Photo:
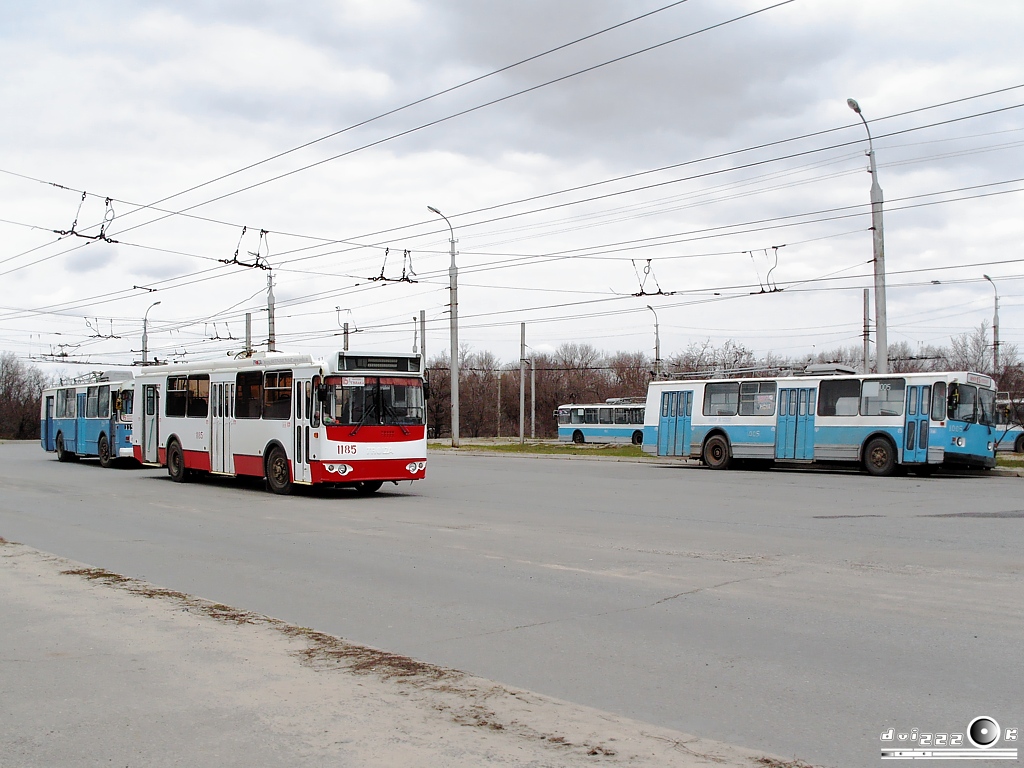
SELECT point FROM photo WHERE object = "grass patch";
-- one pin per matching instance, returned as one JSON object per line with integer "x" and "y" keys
{"x": 551, "y": 449}
{"x": 1013, "y": 462}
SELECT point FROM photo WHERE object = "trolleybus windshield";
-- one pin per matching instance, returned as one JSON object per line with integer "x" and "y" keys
{"x": 372, "y": 400}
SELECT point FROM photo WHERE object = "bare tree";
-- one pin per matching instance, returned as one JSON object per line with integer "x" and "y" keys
{"x": 21, "y": 387}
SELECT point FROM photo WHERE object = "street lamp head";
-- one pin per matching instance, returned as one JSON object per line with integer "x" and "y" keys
{"x": 852, "y": 104}
{"x": 987, "y": 278}
{"x": 432, "y": 209}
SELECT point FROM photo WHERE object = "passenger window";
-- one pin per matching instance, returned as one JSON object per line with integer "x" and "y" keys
{"x": 882, "y": 397}
{"x": 721, "y": 399}
{"x": 838, "y": 397}
{"x": 939, "y": 401}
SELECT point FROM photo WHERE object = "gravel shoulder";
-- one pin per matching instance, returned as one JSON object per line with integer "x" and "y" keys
{"x": 99, "y": 669}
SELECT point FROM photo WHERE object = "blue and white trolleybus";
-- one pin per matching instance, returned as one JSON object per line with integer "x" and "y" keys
{"x": 918, "y": 421}
{"x": 617, "y": 420}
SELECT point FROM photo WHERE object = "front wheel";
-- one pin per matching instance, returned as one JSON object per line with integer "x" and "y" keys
{"x": 368, "y": 487}
{"x": 638, "y": 438}
{"x": 716, "y": 452}
{"x": 176, "y": 463}
{"x": 104, "y": 451}
{"x": 279, "y": 474}
{"x": 1018, "y": 447}
{"x": 879, "y": 457}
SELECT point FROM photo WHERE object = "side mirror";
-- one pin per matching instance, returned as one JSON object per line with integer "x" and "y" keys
{"x": 426, "y": 389}
{"x": 323, "y": 394}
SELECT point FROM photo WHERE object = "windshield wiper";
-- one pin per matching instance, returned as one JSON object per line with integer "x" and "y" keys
{"x": 390, "y": 411}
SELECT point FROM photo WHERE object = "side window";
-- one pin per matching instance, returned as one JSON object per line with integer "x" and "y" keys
{"x": 103, "y": 404}
{"x": 605, "y": 415}
{"x": 150, "y": 401}
{"x": 249, "y": 395}
{"x": 314, "y": 419}
{"x": 277, "y": 395}
{"x": 577, "y": 416}
{"x": 309, "y": 400}
{"x": 62, "y": 403}
{"x": 721, "y": 399}
{"x": 939, "y": 401}
{"x": 177, "y": 395}
{"x": 620, "y": 416}
{"x": 91, "y": 402}
{"x": 198, "y": 396}
{"x": 590, "y": 415}
{"x": 838, "y": 397}
{"x": 882, "y": 397}
{"x": 757, "y": 398}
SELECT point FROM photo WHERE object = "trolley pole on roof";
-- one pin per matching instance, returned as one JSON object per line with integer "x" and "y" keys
{"x": 878, "y": 249}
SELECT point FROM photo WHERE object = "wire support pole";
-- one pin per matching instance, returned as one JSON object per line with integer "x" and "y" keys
{"x": 878, "y": 249}
{"x": 453, "y": 284}
{"x": 995, "y": 329}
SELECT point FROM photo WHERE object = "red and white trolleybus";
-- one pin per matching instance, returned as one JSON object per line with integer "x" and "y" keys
{"x": 352, "y": 419}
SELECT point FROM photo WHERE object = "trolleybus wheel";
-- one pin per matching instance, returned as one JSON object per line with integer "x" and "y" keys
{"x": 63, "y": 454}
{"x": 176, "y": 462}
{"x": 716, "y": 452}
{"x": 104, "y": 451}
{"x": 638, "y": 438}
{"x": 1018, "y": 447}
{"x": 279, "y": 478}
{"x": 577, "y": 437}
{"x": 368, "y": 487}
{"x": 879, "y": 457}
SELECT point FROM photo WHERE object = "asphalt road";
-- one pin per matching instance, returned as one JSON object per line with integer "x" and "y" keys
{"x": 802, "y": 613}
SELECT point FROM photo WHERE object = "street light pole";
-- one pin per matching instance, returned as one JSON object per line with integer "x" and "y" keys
{"x": 145, "y": 334}
{"x": 453, "y": 284}
{"x": 878, "y": 242}
{"x": 657, "y": 345}
{"x": 995, "y": 329}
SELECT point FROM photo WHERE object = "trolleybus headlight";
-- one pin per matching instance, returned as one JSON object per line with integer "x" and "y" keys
{"x": 415, "y": 466}
{"x": 990, "y": 445}
{"x": 961, "y": 442}
{"x": 341, "y": 469}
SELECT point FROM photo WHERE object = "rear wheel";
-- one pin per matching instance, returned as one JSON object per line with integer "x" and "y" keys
{"x": 104, "y": 451}
{"x": 176, "y": 463}
{"x": 368, "y": 487}
{"x": 63, "y": 454}
{"x": 638, "y": 437}
{"x": 1018, "y": 447}
{"x": 716, "y": 452}
{"x": 879, "y": 457}
{"x": 577, "y": 437}
{"x": 279, "y": 475}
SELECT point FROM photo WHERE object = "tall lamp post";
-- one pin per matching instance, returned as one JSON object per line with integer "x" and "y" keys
{"x": 657, "y": 345}
{"x": 878, "y": 241}
{"x": 453, "y": 283}
{"x": 145, "y": 334}
{"x": 995, "y": 329}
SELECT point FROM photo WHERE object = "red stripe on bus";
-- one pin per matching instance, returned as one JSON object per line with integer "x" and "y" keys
{"x": 248, "y": 465}
{"x": 197, "y": 460}
{"x": 366, "y": 469}
{"x": 375, "y": 434}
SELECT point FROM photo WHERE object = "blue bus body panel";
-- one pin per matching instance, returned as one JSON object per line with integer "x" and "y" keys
{"x": 599, "y": 433}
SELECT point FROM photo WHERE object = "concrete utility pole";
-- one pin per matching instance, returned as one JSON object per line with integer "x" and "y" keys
{"x": 657, "y": 345}
{"x": 272, "y": 338}
{"x": 248, "y": 334}
{"x": 522, "y": 383}
{"x": 867, "y": 332}
{"x": 878, "y": 244}
{"x": 533, "y": 399}
{"x": 453, "y": 285}
{"x": 145, "y": 334}
{"x": 995, "y": 330}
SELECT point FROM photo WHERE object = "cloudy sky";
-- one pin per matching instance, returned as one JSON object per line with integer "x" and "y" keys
{"x": 582, "y": 155}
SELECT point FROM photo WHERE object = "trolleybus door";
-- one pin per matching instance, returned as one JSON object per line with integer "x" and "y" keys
{"x": 674, "y": 423}
{"x": 48, "y": 429}
{"x": 915, "y": 441}
{"x": 220, "y": 430}
{"x": 303, "y": 409}
{"x": 150, "y": 437}
{"x": 794, "y": 431}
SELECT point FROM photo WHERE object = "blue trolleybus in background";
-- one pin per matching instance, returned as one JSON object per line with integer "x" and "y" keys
{"x": 91, "y": 418}
{"x": 617, "y": 420}
{"x": 916, "y": 421}
{"x": 1010, "y": 427}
